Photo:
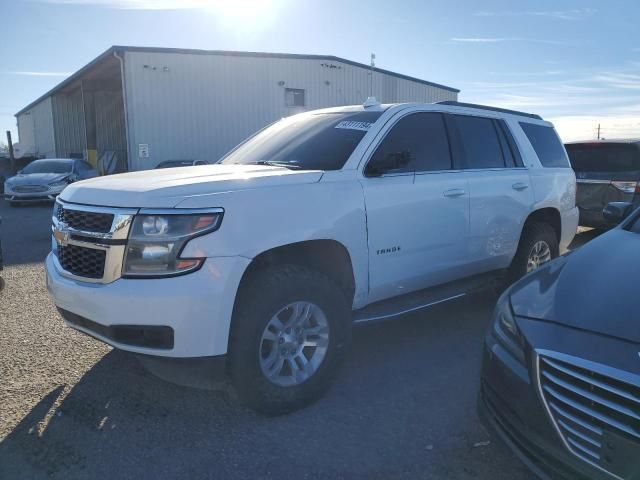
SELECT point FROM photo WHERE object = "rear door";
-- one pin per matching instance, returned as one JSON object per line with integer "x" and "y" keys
{"x": 499, "y": 188}
{"x": 605, "y": 172}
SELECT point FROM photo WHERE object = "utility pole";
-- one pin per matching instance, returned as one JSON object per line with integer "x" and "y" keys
{"x": 598, "y": 132}
{"x": 12, "y": 157}
{"x": 373, "y": 64}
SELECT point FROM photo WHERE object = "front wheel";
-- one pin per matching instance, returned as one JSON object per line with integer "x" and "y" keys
{"x": 538, "y": 245}
{"x": 290, "y": 332}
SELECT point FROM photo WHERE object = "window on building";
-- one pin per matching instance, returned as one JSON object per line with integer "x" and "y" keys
{"x": 423, "y": 137}
{"x": 546, "y": 143}
{"x": 479, "y": 141}
{"x": 294, "y": 97}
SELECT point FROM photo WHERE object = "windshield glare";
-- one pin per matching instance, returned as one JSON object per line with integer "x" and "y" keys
{"x": 48, "y": 166}
{"x": 319, "y": 141}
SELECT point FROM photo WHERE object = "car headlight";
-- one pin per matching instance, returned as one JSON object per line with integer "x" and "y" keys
{"x": 60, "y": 183}
{"x": 157, "y": 240}
{"x": 506, "y": 328}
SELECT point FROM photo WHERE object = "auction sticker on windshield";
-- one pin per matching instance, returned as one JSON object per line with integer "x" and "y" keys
{"x": 350, "y": 125}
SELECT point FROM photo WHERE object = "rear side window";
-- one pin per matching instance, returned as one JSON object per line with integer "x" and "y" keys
{"x": 604, "y": 157}
{"x": 546, "y": 144}
{"x": 478, "y": 137}
{"x": 424, "y": 137}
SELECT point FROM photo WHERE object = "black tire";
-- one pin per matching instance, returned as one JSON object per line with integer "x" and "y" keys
{"x": 532, "y": 233}
{"x": 262, "y": 295}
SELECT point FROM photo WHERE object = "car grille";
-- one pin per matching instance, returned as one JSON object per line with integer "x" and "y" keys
{"x": 586, "y": 404}
{"x": 81, "y": 261}
{"x": 30, "y": 188}
{"x": 85, "y": 221}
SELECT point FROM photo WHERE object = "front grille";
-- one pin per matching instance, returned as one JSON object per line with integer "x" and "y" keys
{"x": 585, "y": 405}
{"x": 30, "y": 188}
{"x": 81, "y": 261}
{"x": 85, "y": 221}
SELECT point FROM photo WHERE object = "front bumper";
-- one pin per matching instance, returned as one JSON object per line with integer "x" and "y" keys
{"x": 509, "y": 405}
{"x": 197, "y": 307}
{"x": 14, "y": 196}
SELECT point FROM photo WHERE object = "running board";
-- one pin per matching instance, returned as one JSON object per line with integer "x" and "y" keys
{"x": 426, "y": 298}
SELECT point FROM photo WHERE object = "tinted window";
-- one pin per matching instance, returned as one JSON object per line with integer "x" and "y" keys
{"x": 319, "y": 141}
{"x": 546, "y": 143}
{"x": 604, "y": 157}
{"x": 424, "y": 137}
{"x": 479, "y": 141}
{"x": 49, "y": 166}
{"x": 513, "y": 154}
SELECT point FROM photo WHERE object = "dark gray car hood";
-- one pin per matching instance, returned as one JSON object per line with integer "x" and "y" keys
{"x": 37, "y": 178}
{"x": 595, "y": 288}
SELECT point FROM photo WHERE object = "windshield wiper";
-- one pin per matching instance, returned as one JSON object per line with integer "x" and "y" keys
{"x": 270, "y": 163}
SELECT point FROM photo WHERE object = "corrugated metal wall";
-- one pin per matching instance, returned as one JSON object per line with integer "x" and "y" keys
{"x": 200, "y": 106}
{"x": 68, "y": 118}
{"x": 110, "y": 126}
{"x": 35, "y": 130}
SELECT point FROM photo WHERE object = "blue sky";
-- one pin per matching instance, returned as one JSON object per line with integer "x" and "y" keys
{"x": 575, "y": 63}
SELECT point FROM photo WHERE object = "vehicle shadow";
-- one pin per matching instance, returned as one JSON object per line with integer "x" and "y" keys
{"x": 404, "y": 406}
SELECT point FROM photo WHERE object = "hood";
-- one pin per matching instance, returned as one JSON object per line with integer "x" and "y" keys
{"x": 36, "y": 178}
{"x": 593, "y": 288}
{"x": 165, "y": 188}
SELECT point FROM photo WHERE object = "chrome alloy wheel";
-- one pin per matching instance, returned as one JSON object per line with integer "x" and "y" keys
{"x": 294, "y": 344}
{"x": 540, "y": 253}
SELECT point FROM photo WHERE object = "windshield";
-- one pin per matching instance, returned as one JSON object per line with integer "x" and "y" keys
{"x": 49, "y": 166}
{"x": 604, "y": 157}
{"x": 321, "y": 141}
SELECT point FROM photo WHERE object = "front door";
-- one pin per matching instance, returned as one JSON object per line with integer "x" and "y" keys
{"x": 418, "y": 213}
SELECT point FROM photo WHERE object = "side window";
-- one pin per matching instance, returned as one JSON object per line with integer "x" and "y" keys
{"x": 509, "y": 161}
{"x": 513, "y": 147}
{"x": 419, "y": 142}
{"x": 479, "y": 141}
{"x": 546, "y": 143}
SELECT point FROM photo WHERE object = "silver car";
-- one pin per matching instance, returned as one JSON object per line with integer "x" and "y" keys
{"x": 45, "y": 179}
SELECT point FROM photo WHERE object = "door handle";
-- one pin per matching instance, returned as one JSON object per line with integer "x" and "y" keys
{"x": 454, "y": 192}
{"x": 520, "y": 186}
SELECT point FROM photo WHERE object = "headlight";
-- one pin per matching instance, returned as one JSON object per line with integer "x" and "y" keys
{"x": 157, "y": 240}
{"x": 60, "y": 183}
{"x": 506, "y": 328}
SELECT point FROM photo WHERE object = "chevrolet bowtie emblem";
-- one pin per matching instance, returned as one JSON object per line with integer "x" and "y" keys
{"x": 61, "y": 234}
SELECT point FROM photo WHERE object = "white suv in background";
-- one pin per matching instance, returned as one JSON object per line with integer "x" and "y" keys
{"x": 352, "y": 214}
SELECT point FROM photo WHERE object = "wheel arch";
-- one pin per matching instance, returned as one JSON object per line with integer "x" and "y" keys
{"x": 548, "y": 215}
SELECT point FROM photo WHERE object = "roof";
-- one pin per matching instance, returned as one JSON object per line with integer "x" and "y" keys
{"x": 122, "y": 48}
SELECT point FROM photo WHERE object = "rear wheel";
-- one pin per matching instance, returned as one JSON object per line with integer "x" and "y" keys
{"x": 291, "y": 330}
{"x": 538, "y": 245}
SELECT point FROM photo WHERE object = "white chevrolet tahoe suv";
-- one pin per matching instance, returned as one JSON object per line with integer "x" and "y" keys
{"x": 321, "y": 220}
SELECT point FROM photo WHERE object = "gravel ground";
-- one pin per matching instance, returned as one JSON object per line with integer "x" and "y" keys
{"x": 71, "y": 407}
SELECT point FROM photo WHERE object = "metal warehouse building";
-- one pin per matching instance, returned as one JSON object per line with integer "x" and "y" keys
{"x": 133, "y": 107}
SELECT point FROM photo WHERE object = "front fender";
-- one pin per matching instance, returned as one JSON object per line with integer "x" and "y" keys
{"x": 262, "y": 219}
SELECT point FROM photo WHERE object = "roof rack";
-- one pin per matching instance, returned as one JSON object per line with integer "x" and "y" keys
{"x": 493, "y": 109}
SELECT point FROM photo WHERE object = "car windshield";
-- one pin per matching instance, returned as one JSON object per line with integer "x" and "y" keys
{"x": 49, "y": 166}
{"x": 604, "y": 157}
{"x": 320, "y": 141}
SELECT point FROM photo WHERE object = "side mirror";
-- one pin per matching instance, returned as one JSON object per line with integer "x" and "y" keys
{"x": 389, "y": 162}
{"x": 616, "y": 212}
